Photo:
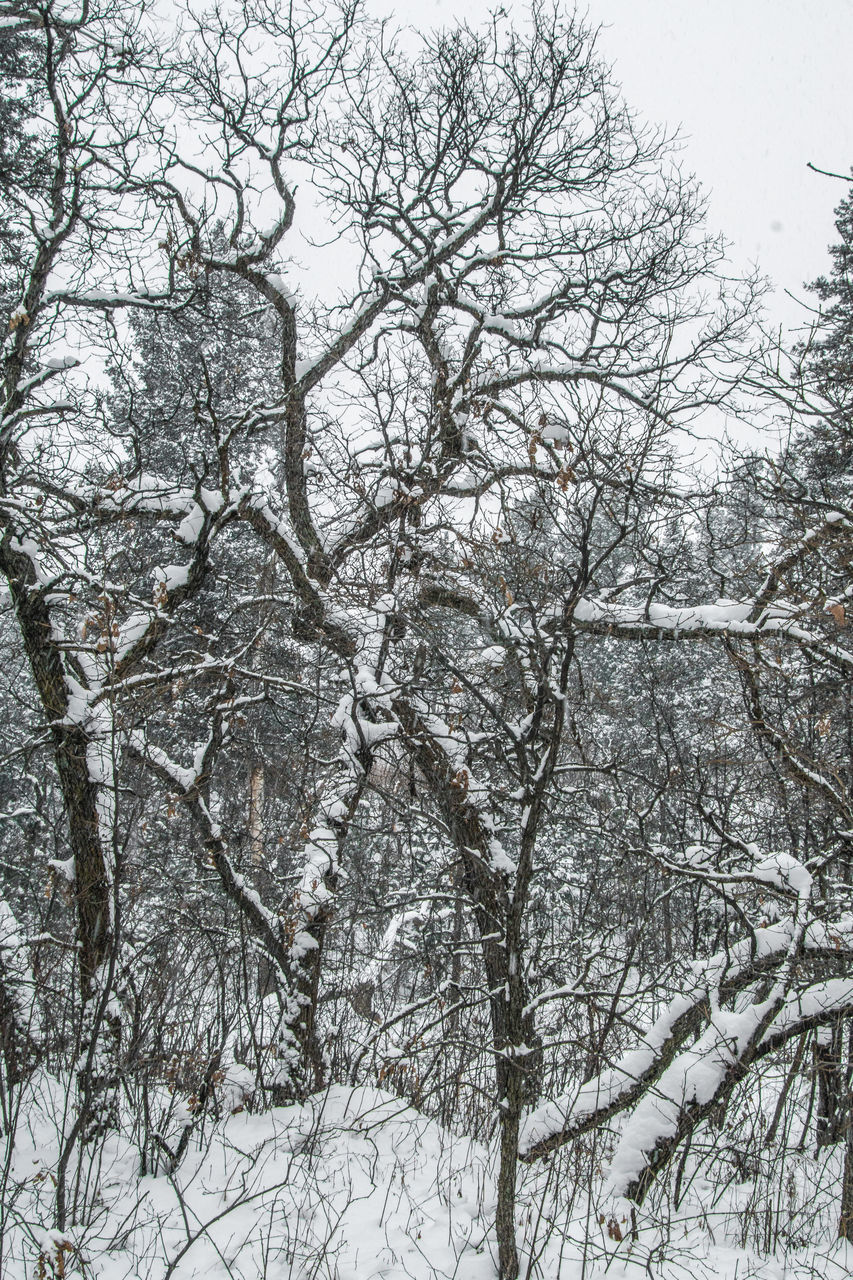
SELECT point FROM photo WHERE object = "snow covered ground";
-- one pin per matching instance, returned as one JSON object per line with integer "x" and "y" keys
{"x": 356, "y": 1185}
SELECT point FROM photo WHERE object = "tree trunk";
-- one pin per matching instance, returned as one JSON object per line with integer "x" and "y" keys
{"x": 510, "y": 1119}
{"x": 498, "y": 913}
{"x": 91, "y": 879}
{"x": 845, "y": 1225}
{"x": 830, "y": 1084}
{"x": 256, "y": 814}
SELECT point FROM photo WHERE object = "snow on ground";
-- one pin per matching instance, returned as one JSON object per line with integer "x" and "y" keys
{"x": 352, "y": 1185}
{"x": 355, "y": 1185}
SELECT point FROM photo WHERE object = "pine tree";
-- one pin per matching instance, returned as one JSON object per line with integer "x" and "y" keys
{"x": 826, "y": 447}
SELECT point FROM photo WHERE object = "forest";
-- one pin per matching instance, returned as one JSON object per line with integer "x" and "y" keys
{"x": 426, "y": 814}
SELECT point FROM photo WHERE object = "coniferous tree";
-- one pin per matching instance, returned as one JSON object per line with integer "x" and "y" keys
{"x": 826, "y": 445}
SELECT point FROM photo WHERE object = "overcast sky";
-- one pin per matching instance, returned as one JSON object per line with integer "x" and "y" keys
{"x": 758, "y": 88}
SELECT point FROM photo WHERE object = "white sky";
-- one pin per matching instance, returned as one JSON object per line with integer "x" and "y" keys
{"x": 758, "y": 89}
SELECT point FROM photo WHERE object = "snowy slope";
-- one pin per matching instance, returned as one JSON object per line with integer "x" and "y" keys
{"x": 355, "y": 1185}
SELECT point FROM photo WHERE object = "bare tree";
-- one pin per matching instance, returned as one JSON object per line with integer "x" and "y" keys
{"x": 463, "y": 461}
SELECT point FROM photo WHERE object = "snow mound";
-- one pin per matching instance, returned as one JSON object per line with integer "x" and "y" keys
{"x": 353, "y": 1185}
